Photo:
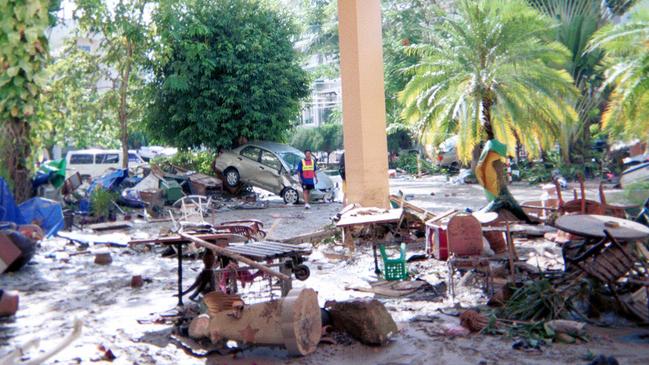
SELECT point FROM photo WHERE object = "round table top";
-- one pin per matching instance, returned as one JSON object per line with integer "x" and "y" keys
{"x": 486, "y": 218}
{"x": 593, "y": 226}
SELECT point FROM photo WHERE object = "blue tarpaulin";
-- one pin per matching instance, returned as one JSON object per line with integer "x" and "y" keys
{"x": 109, "y": 181}
{"x": 46, "y": 213}
{"x": 9, "y": 211}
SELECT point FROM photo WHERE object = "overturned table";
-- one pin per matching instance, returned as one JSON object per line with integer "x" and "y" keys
{"x": 598, "y": 229}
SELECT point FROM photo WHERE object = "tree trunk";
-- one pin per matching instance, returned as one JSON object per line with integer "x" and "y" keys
{"x": 123, "y": 112}
{"x": 486, "y": 117}
{"x": 17, "y": 153}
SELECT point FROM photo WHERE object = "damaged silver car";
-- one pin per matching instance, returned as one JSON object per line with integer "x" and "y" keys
{"x": 273, "y": 167}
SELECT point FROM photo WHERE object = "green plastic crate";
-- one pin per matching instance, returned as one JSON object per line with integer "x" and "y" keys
{"x": 394, "y": 269}
{"x": 172, "y": 190}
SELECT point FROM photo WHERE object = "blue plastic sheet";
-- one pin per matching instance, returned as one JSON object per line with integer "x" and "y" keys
{"x": 8, "y": 209}
{"x": 46, "y": 213}
{"x": 109, "y": 181}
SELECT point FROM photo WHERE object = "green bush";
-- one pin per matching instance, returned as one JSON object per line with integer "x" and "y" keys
{"x": 199, "y": 161}
{"x": 637, "y": 193}
{"x": 541, "y": 172}
{"x": 101, "y": 202}
{"x": 408, "y": 163}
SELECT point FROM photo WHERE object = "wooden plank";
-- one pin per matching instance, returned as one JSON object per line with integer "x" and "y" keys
{"x": 172, "y": 240}
{"x": 108, "y": 226}
{"x": 356, "y": 218}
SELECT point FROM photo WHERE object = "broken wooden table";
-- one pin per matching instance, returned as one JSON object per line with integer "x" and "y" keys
{"x": 370, "y": 217}
{"x": 290, "y": 255}
{"x": 592, "y": 228}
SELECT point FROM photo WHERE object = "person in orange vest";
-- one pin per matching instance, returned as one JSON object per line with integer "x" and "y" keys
{"x": 308, "y": 177}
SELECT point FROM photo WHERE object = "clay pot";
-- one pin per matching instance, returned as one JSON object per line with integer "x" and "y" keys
{"x": 8, "y": 303}
{"x": 137, "y": 281}
{"x": 103, "y": 258}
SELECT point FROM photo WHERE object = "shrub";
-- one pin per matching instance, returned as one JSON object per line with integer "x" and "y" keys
{"x": 637, "y": 193}
{"x": 199, "y": 161}
{"x": 101, "y": 202}
{"x": 408, "y": 163}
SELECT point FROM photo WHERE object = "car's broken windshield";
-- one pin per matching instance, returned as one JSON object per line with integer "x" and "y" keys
{"x": 292, "y": 159}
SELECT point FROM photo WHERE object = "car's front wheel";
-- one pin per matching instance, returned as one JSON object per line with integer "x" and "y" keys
{"x": 290, "y": 196}
{"x": 232, "y": 177}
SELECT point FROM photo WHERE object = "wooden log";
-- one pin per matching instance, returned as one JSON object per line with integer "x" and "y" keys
{"x": 225, "y": 252}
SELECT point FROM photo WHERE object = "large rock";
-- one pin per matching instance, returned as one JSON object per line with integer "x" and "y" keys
{"x": 366, "y": 320}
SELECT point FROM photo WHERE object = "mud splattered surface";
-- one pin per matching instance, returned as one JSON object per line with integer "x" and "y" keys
{"x": 63, "y": 283}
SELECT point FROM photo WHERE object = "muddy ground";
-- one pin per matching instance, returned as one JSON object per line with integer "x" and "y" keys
{"x": 63, "y": 283}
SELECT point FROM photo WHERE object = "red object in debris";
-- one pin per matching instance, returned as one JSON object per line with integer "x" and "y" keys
{"x": 8, "y": 303}
{"x": 9, "y": 252}
{"x": 465, "y": 235}
{"x": 137, "y": 281}
{"x": 436, "y": 241}
{"x": 465, "y": 232}
{"x": 440, "y": 158}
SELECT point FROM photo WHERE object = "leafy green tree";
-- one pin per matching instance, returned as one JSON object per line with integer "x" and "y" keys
{"x": 305, "y": 138}
{"x": 330, "y": 138}
{"x": 226, "y": 70}
{"x": 487, "y": 73}
{"x": 627, "y": 58}
{"x": 23, "y": 55}
{"x": 74, "y": 112}
{"x": 125, "y": 37}
{"x": 404, "y": 23}
{"x": 576, "y": 23}
{"x": 324, "y": 138}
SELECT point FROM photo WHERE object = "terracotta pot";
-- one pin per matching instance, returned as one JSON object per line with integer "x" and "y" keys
{"x": 103, "y": 258}
{"x": 8, "y": 303}
{"x": 137, "y": 281}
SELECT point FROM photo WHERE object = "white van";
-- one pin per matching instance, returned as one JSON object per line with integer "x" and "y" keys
{"x": 94, "y": 162}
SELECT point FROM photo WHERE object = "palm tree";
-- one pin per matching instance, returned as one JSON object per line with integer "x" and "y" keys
{"x": 577, "y": 21}
{"x": 488, "y": 73}
{"x": 627, "y": 58}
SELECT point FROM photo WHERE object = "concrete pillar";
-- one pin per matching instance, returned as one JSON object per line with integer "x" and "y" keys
{"x": 361, "y": 70}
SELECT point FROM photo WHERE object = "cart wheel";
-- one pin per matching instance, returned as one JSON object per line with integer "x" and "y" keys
{"x": 301, "y": 272}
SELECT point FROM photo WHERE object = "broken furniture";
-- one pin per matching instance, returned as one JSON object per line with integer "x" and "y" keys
{"x": 293, "y": 321}
{"x": 618, "y": 211}
{"x": 592, "y": 228}
{"x": 464, "y": 233}
{"x": 289, "y": 259}
{"x": 609, "y": 261}
{"x": 437, "y": 235}
{"x": 369, "y": 219}
{"x": 395, "y": 268}
{"x": 577, "y": 205}
{"x": 177, "y": 241}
